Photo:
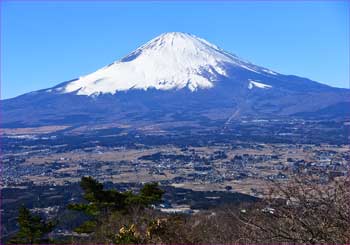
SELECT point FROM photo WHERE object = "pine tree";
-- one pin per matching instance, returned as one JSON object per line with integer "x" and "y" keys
{"x": 99, "y": 202}
{"x": 32, "y": 228}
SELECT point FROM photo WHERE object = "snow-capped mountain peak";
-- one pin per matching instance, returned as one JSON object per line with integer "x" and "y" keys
{"x": 158, "y": 77}
{"x": 172, "y": 60}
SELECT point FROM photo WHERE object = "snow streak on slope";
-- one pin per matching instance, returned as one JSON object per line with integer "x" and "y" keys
{"x": 253, "y": 84}
{"x": 170, "y": 61}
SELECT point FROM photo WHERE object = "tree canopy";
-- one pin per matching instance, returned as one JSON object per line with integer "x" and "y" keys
{"x": 32, "y": 228}
{"x": 99, "y": 201}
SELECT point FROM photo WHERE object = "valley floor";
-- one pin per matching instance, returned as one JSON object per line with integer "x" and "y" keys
{"x": 201, "y": 168}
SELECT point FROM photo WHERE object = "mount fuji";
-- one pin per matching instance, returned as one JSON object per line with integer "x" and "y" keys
{"x": 170, "y": 61}
{"x": 177, "y": 77}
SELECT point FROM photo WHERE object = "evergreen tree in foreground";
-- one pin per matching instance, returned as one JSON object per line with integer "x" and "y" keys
{"x": 100, "y": 202}
{"x": 32, "y": 228}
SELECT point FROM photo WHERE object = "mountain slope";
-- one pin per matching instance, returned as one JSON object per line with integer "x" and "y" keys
{"x": 177, "y": 77}
{"x": 170, "y": 61}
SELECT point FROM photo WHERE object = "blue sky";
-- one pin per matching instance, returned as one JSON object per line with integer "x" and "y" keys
{"x": 45, "y": 42}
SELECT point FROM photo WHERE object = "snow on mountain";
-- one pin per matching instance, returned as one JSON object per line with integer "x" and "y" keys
{"x": 253, "y": 84}
{"x": 161, "y": 75}
{"x": 170, "y": 61}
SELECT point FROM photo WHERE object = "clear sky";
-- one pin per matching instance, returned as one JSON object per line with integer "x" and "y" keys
{"x": 44, "y": 43}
